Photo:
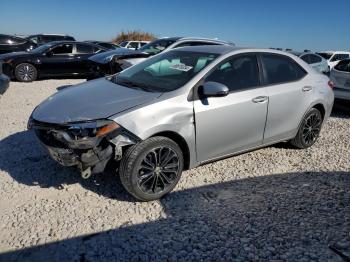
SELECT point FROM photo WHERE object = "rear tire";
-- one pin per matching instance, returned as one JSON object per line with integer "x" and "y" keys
{"x": 152, "y": 168}
{"x": 309, "y": 129}
{"x": 26, "y": 72}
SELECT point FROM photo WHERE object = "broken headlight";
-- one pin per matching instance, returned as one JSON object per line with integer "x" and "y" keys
{"x": 85, "y": 135}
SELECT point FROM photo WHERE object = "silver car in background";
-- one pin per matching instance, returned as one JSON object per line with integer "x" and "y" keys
{"x": 316, "y": 61}
{"x": 340, "y": 75}
{"x": 181, "y": 109}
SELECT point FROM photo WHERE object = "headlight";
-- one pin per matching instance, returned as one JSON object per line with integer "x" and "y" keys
{"x": 85, "y": 135}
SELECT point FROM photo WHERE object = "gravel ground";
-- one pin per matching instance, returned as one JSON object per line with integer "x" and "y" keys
{"x": 274, "y": 204}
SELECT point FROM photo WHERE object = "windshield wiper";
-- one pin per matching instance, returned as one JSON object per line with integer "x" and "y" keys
{"x": 131, "y": 84}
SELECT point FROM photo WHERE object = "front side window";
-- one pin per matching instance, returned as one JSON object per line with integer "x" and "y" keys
{"x": 238, "y": 73}
{"x": 343, "y": 66}
{"x": 62, "y": 49}
{"x": 84, "y": 49}
{"x": 281, "y": 69}
{"x": 166, "y": 72}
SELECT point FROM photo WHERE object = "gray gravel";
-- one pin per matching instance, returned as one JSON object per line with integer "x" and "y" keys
{"x": 274, "y": 204}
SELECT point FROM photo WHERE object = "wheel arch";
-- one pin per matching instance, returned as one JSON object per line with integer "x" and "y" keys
{"x": 178, "y": 139}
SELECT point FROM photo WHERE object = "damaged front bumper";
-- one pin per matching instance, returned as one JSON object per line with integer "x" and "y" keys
{"x": 90, "y": 158}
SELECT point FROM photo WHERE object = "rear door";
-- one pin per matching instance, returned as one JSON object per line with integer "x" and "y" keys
{"x": 225, "y": 125}
{"x": 290, "y": 94}
{"x": 81, "y": 54}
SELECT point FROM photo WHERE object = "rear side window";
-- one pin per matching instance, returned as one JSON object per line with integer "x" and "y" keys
{"x": 315, "y": 59}
{"x": 238, "y": 73}
{"x": 84, "y": 49}
{"x": 343, "y": 66}
{"x": 281, "y": 69}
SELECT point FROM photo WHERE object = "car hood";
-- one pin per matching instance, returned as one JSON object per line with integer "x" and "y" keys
{"x": 14, "y": 55}
{"x": 121, "y": 53}
{"x": 97, "y": 99}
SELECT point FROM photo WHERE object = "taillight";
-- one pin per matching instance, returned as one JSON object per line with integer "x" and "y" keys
{"x": 331, "y": 84}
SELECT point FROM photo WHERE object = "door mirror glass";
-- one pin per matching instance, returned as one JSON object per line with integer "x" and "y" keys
{"x": 213, "y": 89}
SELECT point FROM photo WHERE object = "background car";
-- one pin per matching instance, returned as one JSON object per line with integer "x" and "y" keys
{"x": 55, "y": 59}
{"x": 316, "y": 61}
{"x": 134, "y": 45}
{"x": 241, "y": 99}
{"x": 4, "y": 83}
{"x": 115, "y": 61}
{"x": 333, "y": 57}
{"x": 9, "y": 43}
{"x": 107, "y": 45}
{"x": 340, "y": 75}
{"x": 41, "y": 39}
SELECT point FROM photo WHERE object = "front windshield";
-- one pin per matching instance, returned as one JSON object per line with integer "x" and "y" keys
{"x": 157, "y": 46}
{"x": 326, "y": 56}
{"x": 166, "y": 72}
{"x": 41, "y": 49}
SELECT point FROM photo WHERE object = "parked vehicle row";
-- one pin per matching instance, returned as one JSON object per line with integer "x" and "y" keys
{"x": 117, "y": 60}
{"x": 241, "y": 99}
{"x": 55, "y": 59}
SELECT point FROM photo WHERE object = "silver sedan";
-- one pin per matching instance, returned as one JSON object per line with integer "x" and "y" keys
{"x": 181, "y": 109}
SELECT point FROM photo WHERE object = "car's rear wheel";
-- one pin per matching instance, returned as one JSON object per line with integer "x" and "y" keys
{"x": 152, "y": 168}
{"x": 26, "y": 72}
{"x": 309, "y": 129}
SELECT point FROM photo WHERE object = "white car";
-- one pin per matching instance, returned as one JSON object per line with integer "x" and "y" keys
{"x": 316, "y": 61}
{"x": 340, "y": 76}
{"x": 333, "y": 57}
{"x": 134, "y": 45}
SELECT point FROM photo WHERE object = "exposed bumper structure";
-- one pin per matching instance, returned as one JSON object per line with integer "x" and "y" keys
{"x": 91, "y": 160}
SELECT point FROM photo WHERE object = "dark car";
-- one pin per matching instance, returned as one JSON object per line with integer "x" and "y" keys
{"x": 117, "y": 60}
{"x": 107, "y": 45}
{"x": 55, "y": 59}
{"x": 9, "y": 43}
{"x": 4, "y": 83}
{"x": 41, "y": 39}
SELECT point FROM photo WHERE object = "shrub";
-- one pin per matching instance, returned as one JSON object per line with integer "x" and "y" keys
{"x": 135, "y": 35}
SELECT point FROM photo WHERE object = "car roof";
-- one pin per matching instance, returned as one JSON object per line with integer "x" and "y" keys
{"x": 225, "y": 49}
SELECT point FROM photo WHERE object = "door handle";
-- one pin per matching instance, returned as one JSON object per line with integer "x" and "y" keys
{"x": 260, "y": 99}
{"x": 307, "y": 88}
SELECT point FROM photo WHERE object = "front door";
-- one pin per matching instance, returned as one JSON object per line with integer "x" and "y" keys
{"x": 58, "y": 61}
{"x": 225, "y": 125}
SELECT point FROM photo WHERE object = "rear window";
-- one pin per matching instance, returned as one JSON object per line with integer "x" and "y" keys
{"x": 11, "y": 40}
{"x": 281, "y": 69}
{"x": 343, "y": 66}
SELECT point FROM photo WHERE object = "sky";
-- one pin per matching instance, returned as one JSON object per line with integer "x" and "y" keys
{"x": 297, "y": 24}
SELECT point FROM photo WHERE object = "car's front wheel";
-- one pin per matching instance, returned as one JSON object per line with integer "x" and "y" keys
{"x": 26, "y": 72}
{"x": 309, "y": 129}
{"x": 152, "y": 168}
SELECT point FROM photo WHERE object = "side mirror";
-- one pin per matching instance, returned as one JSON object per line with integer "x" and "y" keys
{"x": 49, "y": 53}
{"x": 213, "y": 89}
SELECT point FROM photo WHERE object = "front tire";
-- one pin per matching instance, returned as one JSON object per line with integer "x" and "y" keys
{"x": 309, "y": 129}
{"x": 152, "y": 168}
{"x": 26, "y": 72}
